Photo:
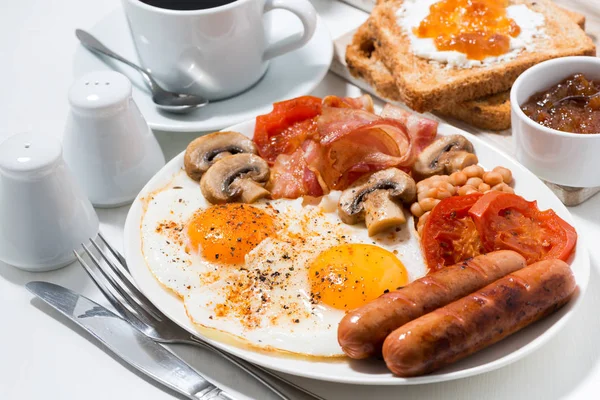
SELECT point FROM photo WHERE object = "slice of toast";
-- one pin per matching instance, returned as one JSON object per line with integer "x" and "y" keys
{"x": 364, "y": 62}
{"x": 490, "y": 112}
{"x": 425, "y": 86}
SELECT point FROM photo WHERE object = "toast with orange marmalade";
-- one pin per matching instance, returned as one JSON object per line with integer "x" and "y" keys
{"x": 489, "y": 112}
{"x": 432, "y": 69}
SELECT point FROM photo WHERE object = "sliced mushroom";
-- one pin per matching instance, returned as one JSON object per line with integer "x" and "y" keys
{"x": 377, "y": 200}
{"x": 238, "y": 177}
{"x": 446, "y": 155}
{"x": 206, "y": 150}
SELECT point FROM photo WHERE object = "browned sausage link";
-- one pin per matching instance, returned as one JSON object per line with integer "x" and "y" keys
{"x": 362, "y": 331}
{"x": 478, "y": 320}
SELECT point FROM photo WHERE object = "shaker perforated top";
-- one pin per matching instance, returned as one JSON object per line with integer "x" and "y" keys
{"x": 29, "y": 153}
{"x": 99, "y": 90}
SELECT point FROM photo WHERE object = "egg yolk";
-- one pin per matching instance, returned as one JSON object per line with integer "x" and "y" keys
{"x": 226, "y": 233}
{"x": 348, "y": 276}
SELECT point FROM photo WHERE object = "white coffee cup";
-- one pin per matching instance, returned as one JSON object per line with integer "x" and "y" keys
{"x": 216, "y": 52}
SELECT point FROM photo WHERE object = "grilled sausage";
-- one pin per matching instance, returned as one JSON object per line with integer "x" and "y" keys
{"x": 362, "y": 331}
{"x": 478, "y": 320}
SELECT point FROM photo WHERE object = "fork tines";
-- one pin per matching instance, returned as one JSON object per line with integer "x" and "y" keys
{"x": 118, "y": 285}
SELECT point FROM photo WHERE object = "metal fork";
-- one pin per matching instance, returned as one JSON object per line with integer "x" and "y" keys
{"x": 119, "y": 288}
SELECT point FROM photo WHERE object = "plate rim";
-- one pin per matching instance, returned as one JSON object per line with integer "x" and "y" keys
{"x": 383, "y": 380}
{"x": 196, "y": 125}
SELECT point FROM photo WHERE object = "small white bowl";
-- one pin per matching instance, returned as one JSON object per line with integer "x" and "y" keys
{"x": 568, "y": 159}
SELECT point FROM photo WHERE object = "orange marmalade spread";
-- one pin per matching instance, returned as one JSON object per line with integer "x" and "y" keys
{"x": 477, "y": 28}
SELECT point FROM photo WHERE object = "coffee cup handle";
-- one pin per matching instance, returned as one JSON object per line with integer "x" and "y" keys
{"x": 307, "y": 14}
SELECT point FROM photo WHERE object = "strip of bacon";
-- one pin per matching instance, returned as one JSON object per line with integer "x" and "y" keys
{"x": 344, "y": 142}
{"x": 334, "y": 123}
{"x": 422, "y": 130}
{"x": 369, "y": 147}
{"x": 291, "y": 176}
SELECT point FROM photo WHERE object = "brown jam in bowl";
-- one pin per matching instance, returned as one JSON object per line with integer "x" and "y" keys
{"x": 550, "y": 108}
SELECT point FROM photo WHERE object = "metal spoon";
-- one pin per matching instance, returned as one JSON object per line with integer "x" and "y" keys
{"x": 578, "y": 98}
{"x": 178, "y": 103}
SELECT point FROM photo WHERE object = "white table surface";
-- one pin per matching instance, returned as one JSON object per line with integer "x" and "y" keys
{"x": 45, "y": 356}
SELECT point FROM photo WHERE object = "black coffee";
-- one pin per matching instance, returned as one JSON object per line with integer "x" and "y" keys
{"x": 187, "y": 4}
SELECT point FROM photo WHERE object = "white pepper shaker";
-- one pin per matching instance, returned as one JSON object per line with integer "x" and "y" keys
{"x": 44, "y": 214}
{"x": 107, "y": 143}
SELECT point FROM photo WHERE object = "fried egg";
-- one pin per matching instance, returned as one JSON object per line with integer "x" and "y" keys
{"x": 278, "y": 274}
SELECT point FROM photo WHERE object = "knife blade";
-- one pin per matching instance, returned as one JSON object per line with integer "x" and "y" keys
{"x": 128, "y": 343}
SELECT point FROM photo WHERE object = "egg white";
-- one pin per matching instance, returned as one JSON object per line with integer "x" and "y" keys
{"x": 267, "y": 301}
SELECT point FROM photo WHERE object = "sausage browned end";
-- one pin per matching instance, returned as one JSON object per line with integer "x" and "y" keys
{"x": 362, "y": 331}
{"x": 478, "y": 320}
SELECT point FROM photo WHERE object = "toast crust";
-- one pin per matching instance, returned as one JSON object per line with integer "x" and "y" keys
{"x": 364, "y": 63}
{"x": 576, "y": 17}
{"x": 426, "y": 86}
{"x": 490, "y": 112}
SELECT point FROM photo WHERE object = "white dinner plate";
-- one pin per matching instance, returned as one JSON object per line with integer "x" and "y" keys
{"x": 294, "y": 74}
{"x": 374, "y": 372}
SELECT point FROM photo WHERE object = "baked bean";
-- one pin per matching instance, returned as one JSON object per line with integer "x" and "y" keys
{"x": 441, "y": 178}
{"x": 458, "y": 178}
{"x": 474, "y": 181}
{"x": 436, "y": 180}
{"x": 498, "y": 187}
{"x": 443, "y": 194}
{"x": 428, "y": 204}
{"x": 424, "y": 185}
{"x": 416, "y": 210}
{"x": 448, "y": 187}
{"x": 467, "y": 189}
{"x": 506, "y": 174}
{"x": 483, "y": 187}
{"x": 473, "y": 171}
{"x": 432, "y": 180}
{"x": 431, "y": 193}
{"x": 493, "y": 178}
{"x": 421, "y": 222}
{"x": 421, "y": 193}
{"x": 503, "y": 187}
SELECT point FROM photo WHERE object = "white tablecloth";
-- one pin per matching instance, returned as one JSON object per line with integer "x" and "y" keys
{"x": 45, "y": 356}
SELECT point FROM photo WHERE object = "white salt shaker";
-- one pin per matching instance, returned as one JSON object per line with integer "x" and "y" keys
{"x": 44, "y": 214}
{"x": 107, "y": 143}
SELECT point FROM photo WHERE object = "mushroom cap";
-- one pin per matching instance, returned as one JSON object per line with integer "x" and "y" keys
{"x": 437, "y": 158}
{"x": 400, "y": 187}
{"x": 227, "y": 179}
{"x": 204, "y": 151}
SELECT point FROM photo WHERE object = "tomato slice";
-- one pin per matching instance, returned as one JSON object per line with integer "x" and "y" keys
{"x": 449, "y": 235}
{"x": 285, "y": 128}
{"x": 509, "y": 222}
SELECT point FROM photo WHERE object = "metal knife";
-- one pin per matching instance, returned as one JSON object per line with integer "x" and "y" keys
{"x": 127, "y": 342}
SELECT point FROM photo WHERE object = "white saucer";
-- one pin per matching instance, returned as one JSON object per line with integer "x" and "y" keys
{"x": 291, "y": 75}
